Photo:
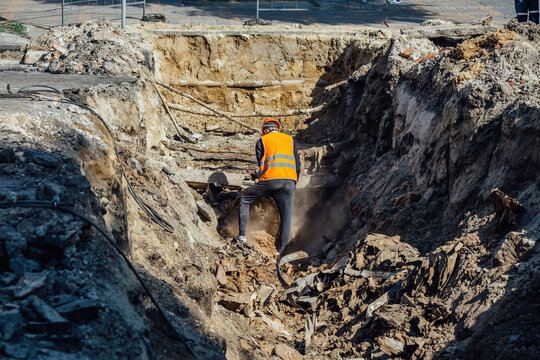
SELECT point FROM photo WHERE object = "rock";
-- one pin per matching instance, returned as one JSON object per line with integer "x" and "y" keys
{"x": 10, "y": 323}
{"x": 79, "y": 310}
{"x": 42, "y": 158}
{"x": 29, "y": 283}
{"x": 235, "y": 302}
{"x": 21, "y": 265}
{"x": 380, "y": 241}
{"x": 506, "y": 89}
{"x": 507, "y": 210}
{"x": 167, "y": 171}
{"x": 134, "y": 164}
{"x": 514, "y": 248}
{"x": 7, "y": 155}
{"x": 31, "y": 57}
{"x": 59, "y": 46}
{"x": 45, "y": 311}
{"x": 207, "y": 211}
{"x": 263, "y": 293}
{"x": 286, "y": 352}
{"x": 394, "y": 256}
{"x": 196, "y": 136}
{"x": 390, "y": 346}
{"x": 221, "y": 277}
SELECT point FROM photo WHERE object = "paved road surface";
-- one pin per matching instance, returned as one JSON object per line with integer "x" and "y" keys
{"x": 332, "y": 12}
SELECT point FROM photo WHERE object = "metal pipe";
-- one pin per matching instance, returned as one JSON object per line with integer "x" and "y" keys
{"x": 257, "y": 9}
{"x": 144, "y": 8}
{"x": 63, "y": 22}
{"x": 124, "y": 14}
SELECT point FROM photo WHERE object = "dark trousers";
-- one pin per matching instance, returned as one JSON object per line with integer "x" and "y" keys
{"x": 527, "y": 7}
{"x": 282, "y": 191}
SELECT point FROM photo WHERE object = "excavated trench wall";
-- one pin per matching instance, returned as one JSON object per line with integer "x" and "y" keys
{"x": 259, "y": 72}
{"x": 269, "y": 74}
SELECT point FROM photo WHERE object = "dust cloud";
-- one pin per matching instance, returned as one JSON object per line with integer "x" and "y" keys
{"x": 316, "y": 220}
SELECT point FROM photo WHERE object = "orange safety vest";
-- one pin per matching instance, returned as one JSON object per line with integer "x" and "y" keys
{"x": 278, "y": 161}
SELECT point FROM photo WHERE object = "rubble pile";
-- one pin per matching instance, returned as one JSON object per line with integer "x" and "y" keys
{"x": 58, "y": 292}
{"x": 95, "y": 47}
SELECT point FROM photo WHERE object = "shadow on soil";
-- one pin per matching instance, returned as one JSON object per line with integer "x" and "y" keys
{"x": 30, "y": 173}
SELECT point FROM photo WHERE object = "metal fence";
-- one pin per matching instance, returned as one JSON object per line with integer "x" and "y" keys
{"x": 274, "y": 5}
{"x": 75, "y": 6}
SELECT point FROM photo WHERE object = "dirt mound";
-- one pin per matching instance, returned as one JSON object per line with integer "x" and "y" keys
{"x": 480, "y": 46}
{"x": 263, "y": 243}
{"x": 95, "y": 47}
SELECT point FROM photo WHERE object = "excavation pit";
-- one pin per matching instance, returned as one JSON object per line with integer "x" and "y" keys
{"x": 401, "y": 146}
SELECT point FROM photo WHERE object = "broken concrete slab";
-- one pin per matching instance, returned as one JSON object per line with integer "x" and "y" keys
{"x": 462, "y": 31}
{"x": 29, "y": 283}
{"x": 394, "y": 256}
{"x": 236, "y": 301}
{"x": 31, "y": 57}
{"x": 263, "y": 293}
{"x": 80, "y": 310}
{"x": 390, "y": 346}
{"x": 45, "y": 311}
{"x": 12, "y": 42}
{"x": 380, "y": 241}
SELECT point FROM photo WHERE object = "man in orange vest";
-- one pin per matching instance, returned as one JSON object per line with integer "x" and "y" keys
{"x": 279, "y": 168}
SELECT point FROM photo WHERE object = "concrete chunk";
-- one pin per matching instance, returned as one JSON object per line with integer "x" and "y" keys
{"x": 79, "y": 310}
{"x": 29, "y": 283}
{"x": 263, "y": 293}
{"x": 45, "y": 311}
{"x": 390, "y": 346}
{"x": 31, "y": 57}
{"x": 235, "y": 302}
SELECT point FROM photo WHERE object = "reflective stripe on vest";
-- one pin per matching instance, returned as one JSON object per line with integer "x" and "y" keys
{"x": 278, "y": 161}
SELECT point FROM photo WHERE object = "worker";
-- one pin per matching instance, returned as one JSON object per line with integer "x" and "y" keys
{"x": 278, "y": 172}
{"x": 526, "y": 8}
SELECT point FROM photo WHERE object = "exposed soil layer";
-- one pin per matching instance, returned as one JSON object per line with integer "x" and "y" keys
{"x": 419, "y": 199}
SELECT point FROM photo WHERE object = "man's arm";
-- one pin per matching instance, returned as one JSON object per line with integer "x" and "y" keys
{"x": 297, "y": 160}
{"x": 259, "y": 154}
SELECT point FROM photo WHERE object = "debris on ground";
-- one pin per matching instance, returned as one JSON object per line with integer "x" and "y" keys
{"x": 416, "y": 217}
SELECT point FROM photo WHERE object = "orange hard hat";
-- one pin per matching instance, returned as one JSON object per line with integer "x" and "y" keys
{"x": 269, "y": 120}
